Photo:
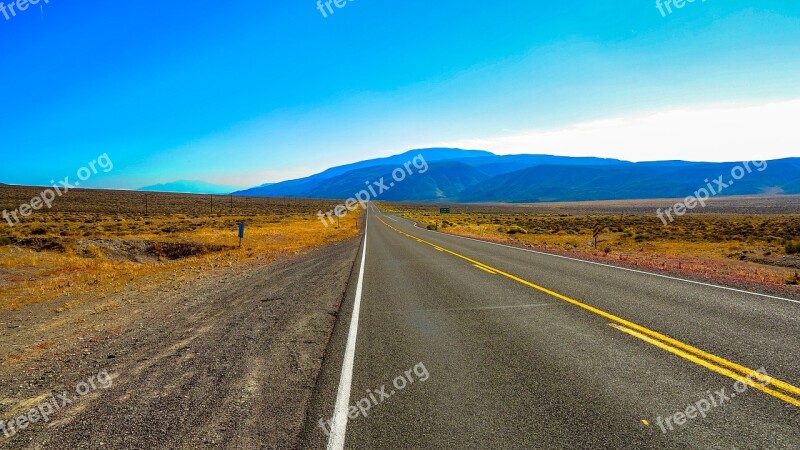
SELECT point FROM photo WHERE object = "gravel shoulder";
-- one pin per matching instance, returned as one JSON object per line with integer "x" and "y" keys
{"x": 226, "y": 359}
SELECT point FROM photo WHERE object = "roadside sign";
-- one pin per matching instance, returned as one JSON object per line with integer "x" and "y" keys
{"x": 596, "y": 232}
{"x": 339, "y": 212}
{"x": 444, "y": 210}
{"x": 241, "y": 233}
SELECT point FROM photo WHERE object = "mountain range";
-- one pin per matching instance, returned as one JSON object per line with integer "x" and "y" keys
{"x": 190, "y": 187}
{"x": 455, "y": 175}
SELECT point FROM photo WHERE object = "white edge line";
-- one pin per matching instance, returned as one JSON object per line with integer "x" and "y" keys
{"x": 339, "y": 423}
{"x": 608, "y": 265}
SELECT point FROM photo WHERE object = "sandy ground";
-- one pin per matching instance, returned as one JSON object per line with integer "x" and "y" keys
{"x": 227, "y": 359}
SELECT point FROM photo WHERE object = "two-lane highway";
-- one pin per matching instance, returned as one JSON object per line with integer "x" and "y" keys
{"x": 528, "y": 350}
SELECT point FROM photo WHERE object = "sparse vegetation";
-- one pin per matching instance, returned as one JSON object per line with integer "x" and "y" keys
{"x": 727, "y": 246}
{"x": 517, "y": 230}
{"x": 94, "y": 241}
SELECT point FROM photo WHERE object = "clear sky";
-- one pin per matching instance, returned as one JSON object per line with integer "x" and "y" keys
{"x": 255, "y": 91}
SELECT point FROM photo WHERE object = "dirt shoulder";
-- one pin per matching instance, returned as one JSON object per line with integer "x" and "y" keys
{"x": 223, "y": 357}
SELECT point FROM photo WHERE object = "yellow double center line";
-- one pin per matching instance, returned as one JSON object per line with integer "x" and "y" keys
{"x": 710, "y": 361}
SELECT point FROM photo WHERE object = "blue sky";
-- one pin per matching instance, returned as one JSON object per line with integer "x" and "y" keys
{"x": 257, "y": 91}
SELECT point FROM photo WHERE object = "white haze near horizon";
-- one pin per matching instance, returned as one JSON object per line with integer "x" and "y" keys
{"x": 713, "y": 134}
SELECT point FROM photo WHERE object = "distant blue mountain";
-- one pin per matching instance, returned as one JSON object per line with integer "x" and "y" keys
{"x": 312, "y": 187}
{"x": 632, "y": 181}
{"x": 468, "y": 176}
{"x": 191, "y": 187}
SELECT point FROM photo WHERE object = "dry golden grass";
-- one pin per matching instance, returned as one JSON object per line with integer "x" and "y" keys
{"x": 745, "y": 247}
{"x": 97, "y": 254}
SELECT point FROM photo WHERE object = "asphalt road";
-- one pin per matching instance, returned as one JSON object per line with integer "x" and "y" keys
{"x": 500, "y": 348}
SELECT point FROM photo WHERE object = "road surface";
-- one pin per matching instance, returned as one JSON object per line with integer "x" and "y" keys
{"x": 447, "y": 342}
